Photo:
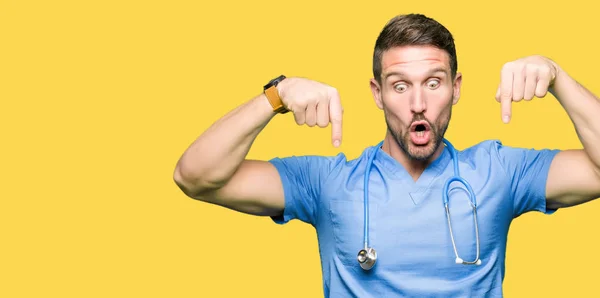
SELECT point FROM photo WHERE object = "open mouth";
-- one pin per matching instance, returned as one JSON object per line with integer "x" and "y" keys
{"x": 420, "y": 128}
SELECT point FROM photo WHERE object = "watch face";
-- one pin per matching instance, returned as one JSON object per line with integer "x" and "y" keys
{"x": 274, "y": 81}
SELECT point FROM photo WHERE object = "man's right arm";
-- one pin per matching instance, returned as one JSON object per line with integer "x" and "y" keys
{"x": 214, "y": 168}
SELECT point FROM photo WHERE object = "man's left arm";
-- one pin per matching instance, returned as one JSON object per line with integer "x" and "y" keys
{"x": 574, "y": 175}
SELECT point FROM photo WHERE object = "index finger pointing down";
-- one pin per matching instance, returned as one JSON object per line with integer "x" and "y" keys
{"x": 335, "y": 117}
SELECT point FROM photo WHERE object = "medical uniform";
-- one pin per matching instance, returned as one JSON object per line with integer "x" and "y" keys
{"x": 407, "y": 219}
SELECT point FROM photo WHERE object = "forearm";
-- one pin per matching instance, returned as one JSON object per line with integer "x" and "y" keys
{"x": 212, "y": 159}
{"x": 583, "y": 108}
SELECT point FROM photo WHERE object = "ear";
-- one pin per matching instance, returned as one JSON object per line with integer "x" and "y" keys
{"x": 376, "y": 90}
{"x": 456, "y": 88}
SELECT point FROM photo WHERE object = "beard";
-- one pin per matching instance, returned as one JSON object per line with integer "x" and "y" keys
{"x": 418, "y": 152}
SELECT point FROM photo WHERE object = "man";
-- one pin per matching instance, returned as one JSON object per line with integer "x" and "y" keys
{"x": 421, "y": 249}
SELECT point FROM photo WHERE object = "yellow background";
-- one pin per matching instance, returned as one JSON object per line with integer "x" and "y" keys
{"x": 100, "y": 98}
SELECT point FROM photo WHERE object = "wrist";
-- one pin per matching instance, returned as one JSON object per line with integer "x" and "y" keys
{"x": 264, "y": 105}
{"x": 557, "y": 81}
{"x": 272, "y": 91}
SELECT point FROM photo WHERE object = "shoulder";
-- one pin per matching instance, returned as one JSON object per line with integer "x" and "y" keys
{"x": 486, "y": 154}
{"x": 484, "y": 147}
{"x": 493, "y": 148}
{"x": 484, "y": 150}
{"x": 494, "y": 152}
{"x": 311, "y": 161}
{"x": 323, "y": 164}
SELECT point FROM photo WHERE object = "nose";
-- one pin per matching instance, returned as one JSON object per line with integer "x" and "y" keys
{"x": 418, "y": 101}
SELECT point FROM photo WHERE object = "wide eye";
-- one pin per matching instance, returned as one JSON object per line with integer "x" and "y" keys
{"x": 400, "y": 87}
{"x": 433, "y": 84}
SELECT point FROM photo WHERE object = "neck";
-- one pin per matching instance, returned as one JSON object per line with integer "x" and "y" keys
{"x": 414, "y": 167}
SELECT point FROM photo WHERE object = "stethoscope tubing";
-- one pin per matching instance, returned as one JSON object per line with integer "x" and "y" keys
{"x": 455, "y": 178}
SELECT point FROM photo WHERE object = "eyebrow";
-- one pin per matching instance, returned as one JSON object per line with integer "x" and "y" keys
{"x": 402, "y": 74}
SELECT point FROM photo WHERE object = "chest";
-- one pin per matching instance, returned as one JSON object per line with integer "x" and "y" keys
{"x": 410, "y": 228}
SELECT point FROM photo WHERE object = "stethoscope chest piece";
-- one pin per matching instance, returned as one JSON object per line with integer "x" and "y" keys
{"x": 367, "y": 258}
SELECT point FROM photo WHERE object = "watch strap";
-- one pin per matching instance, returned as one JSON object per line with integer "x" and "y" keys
{"x": 272, "y": 95}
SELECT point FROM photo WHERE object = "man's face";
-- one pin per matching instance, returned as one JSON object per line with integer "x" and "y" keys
{"x": 416, "y": 94}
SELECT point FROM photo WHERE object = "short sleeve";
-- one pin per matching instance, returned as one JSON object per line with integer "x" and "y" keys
{"x": 302, "y": 178}
{"x": 527, "y": 171}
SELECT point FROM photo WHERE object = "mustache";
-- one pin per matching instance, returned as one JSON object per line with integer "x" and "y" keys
{"x": 421, "y": 117}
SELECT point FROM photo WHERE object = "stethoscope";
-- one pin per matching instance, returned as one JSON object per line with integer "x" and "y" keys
{"x": 368, "y": 256}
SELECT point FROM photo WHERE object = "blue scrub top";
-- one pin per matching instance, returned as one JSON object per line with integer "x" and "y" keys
{"x": 407, "y": 221}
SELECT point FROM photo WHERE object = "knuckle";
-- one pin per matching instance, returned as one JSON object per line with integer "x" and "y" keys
{"x": 545, "y": 71}
{"x": 332, "y": 94}
{"x": 531, "y": 69}
{"x": 291, "y": 105}
{"x": 506, "y": 93}
{"x": 508, "y": 66}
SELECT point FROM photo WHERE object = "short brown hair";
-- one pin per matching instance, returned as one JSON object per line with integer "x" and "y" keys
{"x": 413, "y": 29}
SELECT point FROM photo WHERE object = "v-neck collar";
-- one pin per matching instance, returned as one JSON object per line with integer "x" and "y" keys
{"x": 423, "y": 183}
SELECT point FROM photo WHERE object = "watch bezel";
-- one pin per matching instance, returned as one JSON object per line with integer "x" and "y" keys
{"x": 274, "y": 82}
